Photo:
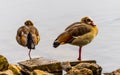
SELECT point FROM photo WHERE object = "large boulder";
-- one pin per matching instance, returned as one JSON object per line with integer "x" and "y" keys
{"x": 85, "y": 69}
{"x": 69, "y": 64}
{"x": 3, "y": 63}
{"x": 96, "y": 69}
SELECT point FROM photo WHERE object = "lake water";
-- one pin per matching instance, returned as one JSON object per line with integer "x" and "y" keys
{"x": 51, "y": 17}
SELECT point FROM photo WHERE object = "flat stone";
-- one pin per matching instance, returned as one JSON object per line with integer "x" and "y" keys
{"x": 73, "y": 63}
{"x": 51, "y": 66}
{"x": 108, "y": 74}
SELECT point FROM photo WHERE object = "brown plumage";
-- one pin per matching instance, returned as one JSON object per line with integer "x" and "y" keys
{"x": 28, "y": 36}
{"x": 79, "y": 34}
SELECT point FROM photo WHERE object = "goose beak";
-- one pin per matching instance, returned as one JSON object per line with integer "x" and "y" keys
{"x": 92, "y": 23}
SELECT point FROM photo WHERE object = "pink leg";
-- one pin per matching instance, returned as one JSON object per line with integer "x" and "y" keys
{"x": 80, "y": 49}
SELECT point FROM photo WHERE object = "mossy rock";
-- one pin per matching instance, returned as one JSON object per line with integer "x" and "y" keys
{"x": 83, "y": 71}
{"x": 15, "y": 69}
{"x": 6, "y": 72}
{"x": 3, "y": 63}
{"x": 96, "y": 69}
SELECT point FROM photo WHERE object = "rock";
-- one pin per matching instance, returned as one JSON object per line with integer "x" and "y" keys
{"x": 40, "y": 72}
{"x": 66, "y": 66}
{"x": 116, "y": 72}
{"x": 82, "y": 71}
{"x": 69, "y": 64}
{"x": 7, "y": 72}
{"x": 15, "y": 69}
{"x": 96, "y": 69}
{"x": 3, "y": 63}
{"x": 50, "y": 66}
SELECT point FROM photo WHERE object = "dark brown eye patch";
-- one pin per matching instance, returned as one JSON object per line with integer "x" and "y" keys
{"x": 88, "y": 20}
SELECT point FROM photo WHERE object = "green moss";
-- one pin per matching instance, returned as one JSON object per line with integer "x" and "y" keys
{"x": 15, "y": 69}
{"x": 3, "y": 63}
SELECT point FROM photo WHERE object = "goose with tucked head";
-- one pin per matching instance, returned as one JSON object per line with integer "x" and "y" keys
{"x": 28, "y": 36}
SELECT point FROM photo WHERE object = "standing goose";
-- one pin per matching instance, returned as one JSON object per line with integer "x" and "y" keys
{"x": 79, "y": 34}
{"x": 28, "y": 36}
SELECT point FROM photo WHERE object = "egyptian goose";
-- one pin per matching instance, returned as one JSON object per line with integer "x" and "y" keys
{"x": 28, "y": 36}
{"x": 79, "y": 34}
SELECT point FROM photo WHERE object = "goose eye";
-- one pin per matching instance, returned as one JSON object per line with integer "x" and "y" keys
{"x": 88, "y": 20}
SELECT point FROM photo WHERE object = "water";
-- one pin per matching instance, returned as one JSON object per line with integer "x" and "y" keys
{"x": 51, "y": 17}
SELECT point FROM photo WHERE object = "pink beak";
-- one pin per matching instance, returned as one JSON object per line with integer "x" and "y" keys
{"x": 92, "y": 23}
